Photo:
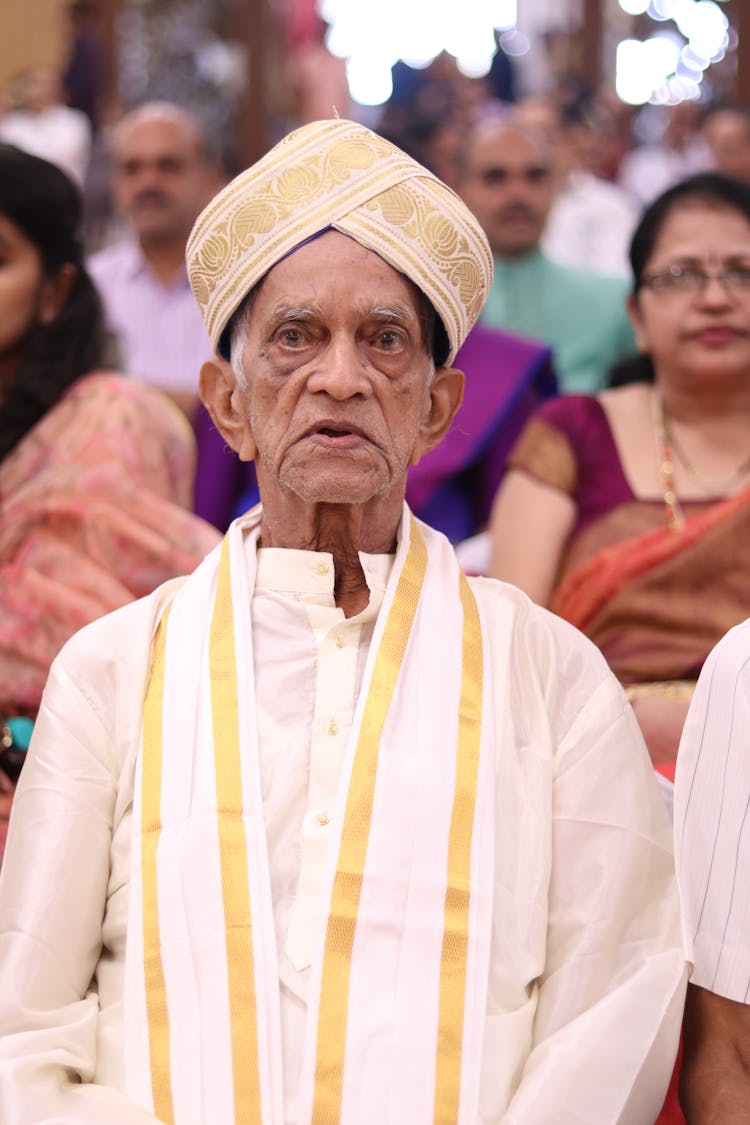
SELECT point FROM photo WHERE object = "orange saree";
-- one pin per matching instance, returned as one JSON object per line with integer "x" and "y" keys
{"x": 690, "y": 583}
{"x": 653, "y": 600}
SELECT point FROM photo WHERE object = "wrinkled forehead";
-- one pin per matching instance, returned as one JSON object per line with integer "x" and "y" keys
{"x": 334, "y": 280}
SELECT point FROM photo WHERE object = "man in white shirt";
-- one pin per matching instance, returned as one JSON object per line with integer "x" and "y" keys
{"x": 591, "y": 220}
{"x": 332, "y": 833}
{"x": 162, "y": 176}
{"x": 649, "y": 169}
{"x": 46, "y": 127}
{"x": 712, "y": 845}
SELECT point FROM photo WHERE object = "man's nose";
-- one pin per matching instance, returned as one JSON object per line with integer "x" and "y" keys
{"x": 341, "y": 370}
{"x": 145, "y": 177}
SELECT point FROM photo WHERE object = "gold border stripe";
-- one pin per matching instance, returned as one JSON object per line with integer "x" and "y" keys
{"x": 157, "y": 1012}
{"x": 347, "y": 886}
{"x": 233, "y": 852}
{"x": 456, "y": 924}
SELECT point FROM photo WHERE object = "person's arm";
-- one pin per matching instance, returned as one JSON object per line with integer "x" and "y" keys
{"x": 7, "y": 789}
{"x": 53, "y": 896}
{"x": 715, "y": 1076}
{"x": 712, "y": 844}
{"x": 529, "y": 527}
{"x": 661, "y": 720}
{"x": 610, "y": 997}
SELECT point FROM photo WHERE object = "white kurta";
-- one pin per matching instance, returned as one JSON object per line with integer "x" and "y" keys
{"x": 587, "y": 970}
{"x": 712, "y": 829}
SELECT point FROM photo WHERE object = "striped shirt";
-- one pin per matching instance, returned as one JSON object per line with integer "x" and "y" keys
{"x": 712, "y": 820}
{"x": 161, "y": 334}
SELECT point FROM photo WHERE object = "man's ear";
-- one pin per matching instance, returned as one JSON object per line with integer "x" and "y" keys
{"x": 54, "y": 293}
{"x": 221, "y": 395}
{"x": 445, "y": 394}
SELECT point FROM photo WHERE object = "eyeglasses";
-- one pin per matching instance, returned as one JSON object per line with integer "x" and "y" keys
{"x": 691, "y": 280}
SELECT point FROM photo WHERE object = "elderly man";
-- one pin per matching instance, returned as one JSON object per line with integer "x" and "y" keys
{"x": 163, "y": 176}
{"x": 327, "y": 832}
{"x": 506, "y": 178}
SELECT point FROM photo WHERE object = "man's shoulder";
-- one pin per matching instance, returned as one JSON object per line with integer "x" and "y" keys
{"x": 730, "y": 657}
{"x": 113, "y": 652}
{"x": 534, "y": 622}
{"x": 576, "y": 284}
{"x": 115, "y": 262}
{"x": 556, "y": 670}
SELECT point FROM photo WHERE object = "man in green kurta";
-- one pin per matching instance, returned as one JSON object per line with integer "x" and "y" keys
{"x": 506, "y": 178}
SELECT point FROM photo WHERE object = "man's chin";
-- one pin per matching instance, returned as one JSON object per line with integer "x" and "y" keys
{"x": 321, "y": 488}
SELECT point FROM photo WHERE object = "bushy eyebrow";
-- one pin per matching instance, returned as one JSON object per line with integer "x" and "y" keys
{"x": 282, "y": 312}
{"x": 394, "y": 313}
{"x": 385, "y": 313}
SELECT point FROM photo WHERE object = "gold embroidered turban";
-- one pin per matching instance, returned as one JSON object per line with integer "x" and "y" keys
{"x": 339, "y": 174}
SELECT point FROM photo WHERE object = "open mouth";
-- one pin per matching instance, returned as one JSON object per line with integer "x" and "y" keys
{"x": 336, "y": 435}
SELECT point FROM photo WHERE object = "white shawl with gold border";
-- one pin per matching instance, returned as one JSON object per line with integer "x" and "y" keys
{"x": 399, "y": 980}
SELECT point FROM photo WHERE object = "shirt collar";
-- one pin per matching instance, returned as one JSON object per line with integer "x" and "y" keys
{"x": 285, "y": 570}
{"x": 137, "y": 264}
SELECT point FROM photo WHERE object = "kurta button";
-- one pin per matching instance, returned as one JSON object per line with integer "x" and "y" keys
{"x": 340, "y": 642}
{"x": 333, "y": 727}
{"x": 322, "y": 568}
{"x": 322, "y": 819}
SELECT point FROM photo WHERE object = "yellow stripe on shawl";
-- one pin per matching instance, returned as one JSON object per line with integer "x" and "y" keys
{"x": 233, "y": 851}
{"x": 156, "y": 991}
{"x": 334, "y": 994}
{"x": 456, "y": 924}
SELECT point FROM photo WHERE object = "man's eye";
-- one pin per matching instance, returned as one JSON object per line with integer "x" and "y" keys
{"x": 291, "y": 337}
{"x": 388, "y": 339}
{"x": 493, "y": 176}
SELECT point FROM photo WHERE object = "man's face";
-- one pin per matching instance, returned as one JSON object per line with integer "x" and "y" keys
{"x": 338, "y": 394}
{"x": 161, "y": 179}
{"x": 728, "y": 137}
{"x": 507, "y": 183}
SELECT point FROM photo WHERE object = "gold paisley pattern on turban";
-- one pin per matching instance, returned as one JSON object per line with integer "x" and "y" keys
{"x": 339, "y": 174}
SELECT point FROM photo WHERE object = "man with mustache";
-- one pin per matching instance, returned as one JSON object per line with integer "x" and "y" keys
{"x": 163, "y": 175}
{"x": 506, "y": 176}
{"x": 326, "y": 832}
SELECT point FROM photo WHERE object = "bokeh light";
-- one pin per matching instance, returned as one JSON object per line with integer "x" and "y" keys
{"x": 669, "y": 66}
{"x": 415, "y": 31}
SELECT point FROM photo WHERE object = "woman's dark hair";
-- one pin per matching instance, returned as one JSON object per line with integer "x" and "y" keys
{"x": 711, "y": 188}
{"x": 39, "y": 199}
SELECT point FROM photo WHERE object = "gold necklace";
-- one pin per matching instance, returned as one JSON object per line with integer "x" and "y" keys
{"x": 675, "y": 518}
{"x": 708, "y": 484}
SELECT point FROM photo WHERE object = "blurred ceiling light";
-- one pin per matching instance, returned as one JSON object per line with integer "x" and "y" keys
{"x": 672, "y": 67}
{"x": 369, "y": 82}
{"x": 415, "y": 31}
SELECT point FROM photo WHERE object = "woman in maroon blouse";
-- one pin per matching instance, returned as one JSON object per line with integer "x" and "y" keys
{"x": 627, "y": 512}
